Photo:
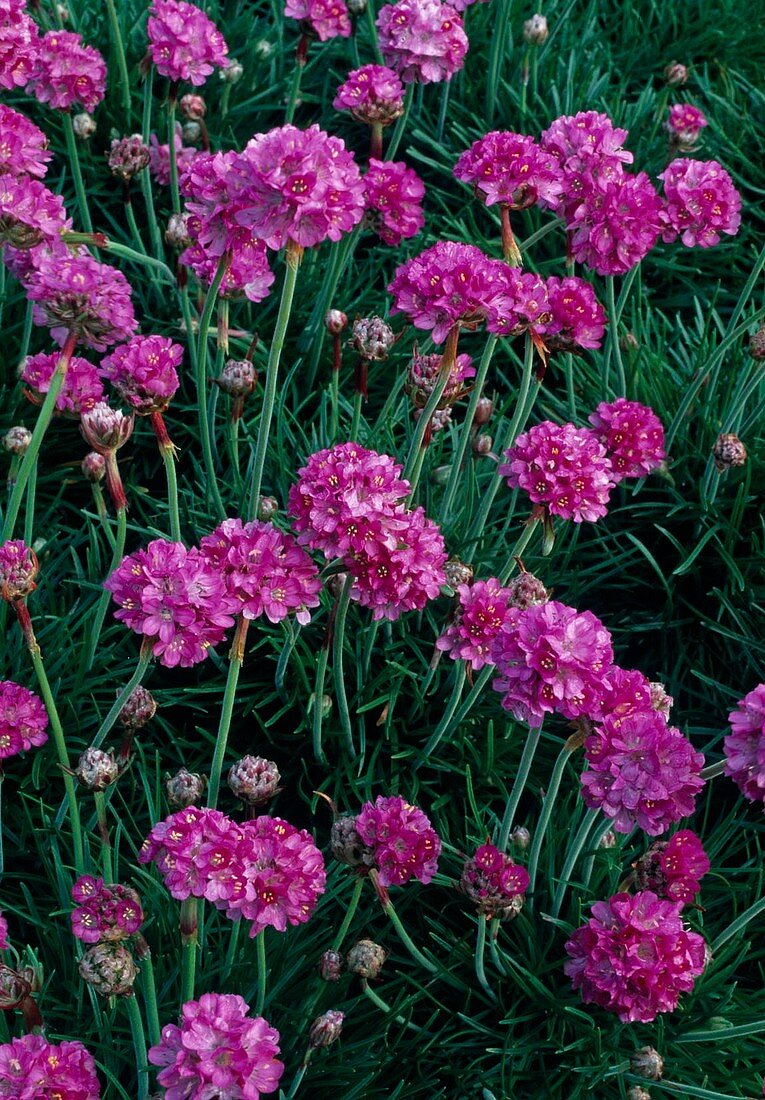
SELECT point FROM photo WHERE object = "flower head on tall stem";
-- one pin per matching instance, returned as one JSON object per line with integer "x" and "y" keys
{"x": 23, "y": 720}
{"x": 423, "y": 40}
{"x": 32, "y": 1066}
{"x": 67, "y": 73}
{"x": 18, "y": 570}
{"x": 512, "y": 170}
{"x": 144, "y": 372}
{"x": 183, "y": 42}
{"x": 373, "y": 94}
{"x": 701, "y": 203}
{"x": 82, "y": 388}
{"x": 745, "y": 745}
{"x": 632, "y": 435}
{"x": 399, "y": 839}
{"x": 24, "y": 149}
{"x": 324, "y": 18}
{"x": 589, "y": 150}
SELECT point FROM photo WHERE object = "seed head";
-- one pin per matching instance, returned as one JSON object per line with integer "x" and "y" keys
{"x": 366, "y": 958}
{"x": 128, "y": 156}
{"x": 535, "y": 30}
{"x": 138, "y": 710}
{"x": 326, "y": 1029}
{"x": 109, "y": 968}
{"x": 331, "y": 966}
{"x": 526, "y": 590}
{"x": 97, "y": 770}
{"x": 254, "y": 779}
{"x": 729, "y": 451}
{"x": 238, "y": 378}
{"x": 185, "y": 788}
{"x": 457, "y": 572}
{"x": 84, "y": 125}
{"x": 346, "y": 844}
{"x": 647, "y": 1063}
{"x": 372, "y": 338}
{"x": 16, "y": 440}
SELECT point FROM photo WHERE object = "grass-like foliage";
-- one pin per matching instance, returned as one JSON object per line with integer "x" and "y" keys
{"x": 350, "y": 709}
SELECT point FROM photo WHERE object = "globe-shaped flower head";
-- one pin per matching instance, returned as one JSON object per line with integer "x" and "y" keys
{"x": 745, "y": 745}
{"x": 632, "y": 435}
{"x": 423, "y": 40}
{"x": 701, "y": 203}
{"x": 67, "y": 72}
{"x": 144, "y": 372}
{"x": 24, "y": 147}
{"x": 23, "y": 720}
{"x": 32, "y": 1067}
{"x": 184, "y": 43}
{"x": 400, "y": 840}
{"x": 324, "y": 18}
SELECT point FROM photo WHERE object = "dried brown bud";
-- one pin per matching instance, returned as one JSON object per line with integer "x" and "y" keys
{"x": 254, "y": 779}
{"x": 372, "y": 338}
{"x": 457, "y": 572}
{"x": 138, "y": 710}
{"x": 638, "y": 1093}
{"x": 366, "y": 959}
{"x": 268, "y": 507}
{"x": 192, "y": 132}
{"x": 331, "y": 966}
{"x": 482, "y": 444}
{"x": 520, "y": 837}
{"x": 128, "y": 156}
{"x": 193, "y": 107}
{"x": 97, "y": 770}
{"x": 647, "y": 1063}
{"x": 106, "y": 429}
{"x": 238, "y": 378}
{"x": 484, "y": 411}
{"x": 535, "y": 30}
{"x": 335, "y": 321}
{"x": 233, "y": 72}
{"x": 16, "y": 440}
{"x": 94, "y": 466}
{"x": 185, "y": 788}
{"x": 326, "y": 1029}
{"x": 177, "y": 233}
{"x": 346, "y": 844}
{"x": 757, "y": 345}
{"x": 526, "y": 590}
{"x": 84, "y": 126}
{"x": 109, "y": 968}
{"x": 729, "y": 451}
{"x": 608, "y": 840}
{"x": 675, "y": 74}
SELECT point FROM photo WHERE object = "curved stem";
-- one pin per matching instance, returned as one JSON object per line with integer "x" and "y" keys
{"x": 544, "y": 820}
{"x": 294, "y": 91}
{"x": 572, "y": 855}
{"x": 103, "y": 600}
{"x": 393, "y": 917}
{"x": 262, "y": 972}
{"x": 376, "y": 999}
{"x": 146, "y": 191}
{"x": 349, "y": 914}
{"x": 400, "y": 127}
{"x": 318, "y": 696}
{"x": 74, "y": 162}
{"x": 435, "y": 738}
{"x": 613, "y": 339}
{"x": 150, "y": 998}
{"x": 236, "y": 658}
{"x": 521, "y": 778}
{"x": 175, "y": 195}
{"x": 119, "y": 49}
{"x": 337, "y": 665}
{"x": 29, "y": 507}
{"x": 464, "y": 441}
{"x": 480, "y": 951}
{"x": 418, "y": 444}
{"x": 139, "y": 1046}
{"x": 167, "y": 451}
{"x": 189, "y": 943}
{"x": 122, "y": 698}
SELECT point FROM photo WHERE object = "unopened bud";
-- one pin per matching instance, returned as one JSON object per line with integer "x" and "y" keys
{"x": 440, "y": 475}
{"x": 356, "y": 7}
{"x": 185, "y": 788}
{"x": 728, "y": 451}
{"x": 192, "y": 132}
{"x": 482, "y": 444}
{"x": 268, "y": 507}
{"x": 647, "y": 1063}
{"x": 325, "y": 702}
{"x": 16, "y": 440}
{"x": 638, "y": 1093}
{"x": 128, "y": 156}
{"x": 106, "y": 429}
{"x": 526, "y": 591}
{"x": 675, "y": 74}
{"x": 629, "y": 342}
{"x": 484, "y": 411}
{"x": 233, "y": 72}
{"x": 366, "y": 959}
{"x": 660, "y": 701}
{"x": 97, "y": 770}
{"x": 535, "y": 30}
{"x": 331, "y": 966}
{"x": 94, "y": 466}
{"x": 520, "y": 837}
{"x": 335, "y": 584}
{"x": 238, "y": 378}
{"x": 757, "y": 345}
{"x": 372, "y": 338}
{"x": 193, "y": 107}
{"x": 326, "y": 1029}
{"x": 177, "y": 233}
{"x": 457, "y": 572}
{"x": 84, "y": 125}
{"x": 263, "y": 49}
{"x": 608, "y": 840}
{"x": 346, "y": 844}
{"x": 109, "y": 968}
{"x": 254, "y": 779}
{"x": 138, "y": 710}
{"x": 335, "y": 321}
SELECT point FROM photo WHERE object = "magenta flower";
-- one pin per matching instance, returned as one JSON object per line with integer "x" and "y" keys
{"x": 551, "y": 658}
{"x": 263, "y": 569}
{"x": 326, "y": 18}
{"x": 394, "y": 196}
{"x": 483, "y": 611}
{"x": 24, "y": 148}
{"x": 23, "y": 720}
{"x": 562, "y": 467}
{"x": 19, "y": 45}
{"x": 29, "y": 212}
{"x": 510, "y": 169}
{"x": 642, "y": 772}
{"x": 31, "y": 1067}
{"x": 422, "y": 377}
{"x": 190, "y": 847}
{"x": 463, "y": 5}
{"x": 632, "y": 435}
{"x": 525, "y": 308}
{"x": 175, "y": 599}
{"x": 373, "y": 94}
{"x": 184, "y": 44}
{"x": 745, "y": 745}
{"x": 494, "y": 882}
{"x": 66, "y": 72}
{"x": 18, "y": 570}
{"x": 701, "y": 203}
{"x": 75, "y": 293}
{"x": 82, "y": 388}
{"x": 104, "y": 913}
{"x": 627, "y": 692}
{"x": 423, "y": 40}
{"x": 589, "y": 150}
{"x": 144, "y": 372}
{"x": 674, "y": 869}
{"x": 578, "y": 318}
{"x": 401, "y": 841}
{"x": 635, "y": 956}
{"x": 4, "y": 944}
{"x": 218, "y": 1051}
{"x": 616, "y": 224}
{"x": 300, "y": 185}
{"x": 247, "y": 274}
{"x": 159, "y": 156}
{"x": 685, "y": 122}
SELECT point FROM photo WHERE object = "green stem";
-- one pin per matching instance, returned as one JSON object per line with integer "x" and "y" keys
{"x": 613, "y": 341}
{"x": 119, "y": 49}
{"x": 372, "y": 28}
{"x": 103, "y": 828}
{"x": 713, "y": 770}
{"x": 544, "y": 819}
{"x": 443, "y": 110}
{"x": 231, "y": 951}
{"x": 146, "y": 189}
{"x": 464, "y": 440}
{"x": 236, "y": 658}
{"x": 74, "y": 162}
{"x": 122, "y": 698}
{"x": 318, "y": 696}
{"x": 572, "y": 855}
{"x": 201, "y": 382}
{"x": 400, "y": 127}
{"x": 393, "y": 917}
{"x": 334, "y": 401}
{"x": 448, "y": 359}
{"x": 150, "y": 997}
{"x": 738, "y": 924}
{"x": 126, "y": 253}
{"x": 297, "y": 1081}
{"x": 376, "y": 999}
{"x": 29, "y": 508}
{"x": 519, "y": 785}
{"x": 337, "y": 665}
{"x": 103, "y": 600}
{"x": 293, "y": 255}
{"x": 570, "y": 391}
{"x": 496, "y": 57}
{"x": 358, "y": 401}
{"x": 189, "y": 942}
{"x": 434, "y": 740}
{"x": 139, "y": 1046}
{"x": 297, "y": 75}
{"x": 480, "y": 952}
{"x": 349, "y": 915}
{"x": 167, "y": 451}
{"x": 175, "y": 195}
{"x": 260, "y": 940}
{"x": 133, "y": 226}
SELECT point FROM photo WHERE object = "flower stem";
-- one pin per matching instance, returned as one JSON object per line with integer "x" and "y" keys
{"x": 613, "y": 340}
{"x": 519, "y": 784}
{"x": 369, "y": 11}
{"x": 236, "y": 658}
{"x": 337, "y": 665}
{"x": 434, "y": 740}
{"x": 395, "y": 920}
{"x": 103, "y": 829}
{"x": 349, "y": 914}
{"x": 148, "y": 194}
{"x": 572, "y": 855}
{"x": 738, "y": 924}
{"x": 201, "y": 382}
{"x": 544, "y": 819}
{"x": 318, "y": 695}
{"x": 260, "y": 940}
{"x": 122, "y": 698}
{"x": 376, "y": 999}
{"x": 293, "y": 255}
{"x": 167, "y": 451}
{"x": 175, "y": 195}
{"x": 29, "y": 507}
{"x": 297, "y": 75}
{"x": 103, "y": 600}
{"x": 358, "y": 401}
{"x": 414, "y": 459}
{"x": 480, "y": 951}
{"x": 400, "y": 127}
{"x": 189, "y": 941}
{"x": 119, "y": 49}
{"x": 74, "y": 162}
{"x": 150, "y": 998}
{"x": 139, "y": 1045}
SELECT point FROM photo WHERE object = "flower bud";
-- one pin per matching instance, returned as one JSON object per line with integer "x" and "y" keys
{"x": 520, "y": 837}
{"x": 728, "y": 451}
{"x": 84, "y": 125}
{"x": 109, "y": 968}
{"x": 326, "y": 1029}
{"x": 757, "y": 345}
{"x": 629, "y": 342}
{"x": 346, "y": 844}
{"x": 128, "y": 156}
{"x": 185, "y": 788}
{"x": 192, "y": 132}
{"x": 254, "y": 779}
{"x": 660, "y": 701}
{"x": 106, "y": 429}
{"x": 94, "y": 466}
{"x": 177, "y": 232}
{"x": 366, "y": 959}
{"x": 335, "y": 321}
{"x": 535, "y": 30}
{"x": 233, "y": 72}
{"x": 356, "y": 7}
{"x": 526, "y": 591}
{"x": 238, "y": 378}
{"x": 440, "y": 475}
{"x": 263, "y": 49}
{"x": 638, "y": 1093}
{"x": 647, "y": 1063}
{"x": 335, "y": 583}
{"x": 193, "y": 107}
{"x": 268, "y": 507}
{"x": 18, "y": 570}
{"x": 331, "y": 966}
{"x": 675, "y": 74}
{"x": 97, "y": 770}
{"x": 484, "y": 411}
{"x": 16, "y": 440}
{"x": 482, "y": 444}
{"x": 372, "y": 338}
{"x": 138, "y": 710}
{"x": 608, "y": 840}
{"x": 457, "y": 572}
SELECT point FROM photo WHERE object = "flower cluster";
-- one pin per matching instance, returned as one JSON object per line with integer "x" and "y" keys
{"x": 616, "y": 225}
{"x": 23, "y": 720}
{"x": 399, "y": 840}
{"x": 635, "y": 956}
{"x": 632, "y": 436}
{"x": 494, "y": 882}
{"x": 218, "y": 1050}
{"x": 104, "y": 913}
{"x": 144, "y": 372}
{"x": 685, "y": 123}
{"x": 512, "y": 170}
{"x": 66, "y": 72}
{"x": 19, "y": 43}
{"x": 589, "y": 150}
{"x": 248, "y": 272}
{"x": 29, "y": 212}
{"x": 128, "y": 156}
{"x": 82, "y": 388}
{"x": 184, "y": 43}
{"x": 484, "y": 607}
{"x": 577, "y": 318}
{"x": 673, "y": 869}
{"x": 700, "y": 203}
{"x": 326, "y": 18}
{"x": 423, "y": 40}
{"x": 745, "y": 745}
{"x": 373, "y": 94}
{"x": 4, "y": 943}
{"x": 24, "y": 148}
{"x": 18, "y": 570}
{"x": 393, "y": 200}
{"x": 159, "y": 156}
{"x": 32, "y": 1067}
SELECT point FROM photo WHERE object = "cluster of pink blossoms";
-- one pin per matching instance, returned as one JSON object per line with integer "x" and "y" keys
{"x": 325, "y": 18}
{"x": 4, "y": 943}
{"x": 632, "y": 436}
{"x": 23, "y": 720}
{"x": 144, "y": 372}
{"x": 511, "y": 170}
{"x": 24, "y": 148}
{"x": 423, "y": 40}
{"x": 394, "y": 196}
{"x": 685, "y": 123}
{"x": 31, "y": 1067}
{"x": 745, "y": 745}
{"x": 399, "y": 840}
{"x": 18, "y": 570}
{"x": 104, "y": 913}
{"x": 700, "y": 203}
{"x": 264, "y": 871}
{"x": 184, "y": 43}
{"x": 82, "y": 388}
{"x": 635, "y": 956}
{"x": 218, "y": 1050}
{"x": 66, "y": 72}
{"x": 159, "y": 156}
{"x": 494, "y": 882}
{"x": 373, "y": 94}
{"x": 29, "y": 213}
{"x": 18, "y": 44}
{"x": 674, "y": 868}
{"x": 347, "y": 503}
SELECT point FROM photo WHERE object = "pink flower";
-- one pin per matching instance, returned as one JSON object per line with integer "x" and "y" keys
{"x": 190, "y": 848}
{"x": 423, "y": 40}
{"x": 627, "y": 692}
{"x": 525, "y": 307}
{"x": 578, "y": 318}
{"x": 23, "y": 720}
{"x": 402, "y": 843}
{"x": 174, "y": 598}
{"x": 632, "y": 435}
{"x": 494, "y": 882}
{"x": 483, "y": 611}
{"x": 159, "y": 156}
{"x": 276, "y": 878}
{"x": 372, "y": 94}
{"x": 75, "y": 293}
{"x": 29, "y": 212}
{"x": 326, "y": 18}
{"x": 18, "y": 570}
{"x": 19, "y": 45}
{"x": 67, "y": 73}
{"x": 3, "y": 933}
{"x": 562, "y": 467}
{"x": 745, "y": 745}
{"x": 551, "y": 658}
{"x": 104, "y": 913}
{"x": 642, "y": 772}
{"x": 300, "y": 185}
{"x": 685, "y": 122}
{"x": 393, "y": 200}
{"x": 82, "y": 388}
{"x": 701, "y": 203}
{"x": 510, "y": 169}
{"x": 635, "y": 956}
{"x": 184, "y": 44}
{"x": 674, "y": 869}
{"x": 218, "y": 1051}
{"x": 31, "y": 1068}
{"x": 263, "y": 569}
{"x": 24, "y": 147}
{"x": 422, "y": 377}
{"x": 143, "y": 372}
{"x": 247, "y": 274}
{"x": 589, "y": 149}
{"x": 463, "y": 5}
{"x": 616, "y": 224}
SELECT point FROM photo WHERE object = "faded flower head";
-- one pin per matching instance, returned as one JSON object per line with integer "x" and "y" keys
{"x": 673, "y": 869}
{"x": 16, "y": 440}
{"x": 401, "y": 841}
{"x": 106, "y": 429}
{"x": 676, "y": 74}
{"x": 510, "y": 169}
{"x": 701, "y": 203}
{"x": 494, "y": 882}
{"x": 372, "y": 338}
{"x": 144, "y": 372}
{"x": 254, "y": 779}
{"x": 185, "y": 788}
{"x": 535, "y": 30}
{"x": 128, "y": 156}
{"x": 97, "y": 770}
{"x": 139, "y": 709}
{"x": 18, "y": 570}
{"x": 728, "y": 452}
{"x": 647, "y": 1062}
{"x": 632, "y": 435}
{"x": 366, "y": 959}
{"x": 104, "y": 913}
{"x": 81, "y": 391}
{"x": 23, "y": 720}
{"x": 423, "y": 40}
{"x": 526, "y": 590}
{"x": 184, "y": 43}
{"x": 66, "y": 72}
{"x": 331, "y": 966}
{"x": 84, "y": 125}
{"x": 423, "y": 375}
{"x": 745, "y": 745}
{"x": 326, "y": 1029}
{"x": 109, "y": 968}
{"x": 238, "y": 378}
{"x": 483, "y": 611}
{"x": 373, "y": 94}
{"x": 33, "y": 1067}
